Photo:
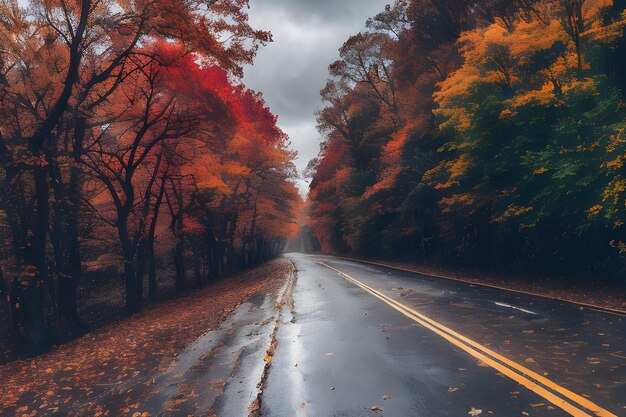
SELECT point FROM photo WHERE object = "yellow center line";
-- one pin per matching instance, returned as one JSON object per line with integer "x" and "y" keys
{"x": 540, "y": 385}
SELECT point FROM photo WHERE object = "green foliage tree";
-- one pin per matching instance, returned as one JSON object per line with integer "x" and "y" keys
{"x": 507, "y": 144}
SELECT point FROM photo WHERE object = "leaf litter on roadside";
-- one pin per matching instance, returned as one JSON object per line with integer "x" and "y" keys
{"x": 71, "y": 377}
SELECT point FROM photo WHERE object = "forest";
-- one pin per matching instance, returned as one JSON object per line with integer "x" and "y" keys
{"x": 132, "y": 153}
{"x": 479, "y": 133}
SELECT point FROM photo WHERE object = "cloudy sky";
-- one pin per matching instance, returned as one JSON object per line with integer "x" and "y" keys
{"x": 292, "y": 70}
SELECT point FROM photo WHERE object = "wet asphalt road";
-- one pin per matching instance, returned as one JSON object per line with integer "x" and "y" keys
{"x": 341, "y": 351}
{"x": 348, "y": 339}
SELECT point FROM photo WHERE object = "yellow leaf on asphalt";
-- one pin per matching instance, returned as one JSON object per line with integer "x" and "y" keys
{"x": 475, "y": 412}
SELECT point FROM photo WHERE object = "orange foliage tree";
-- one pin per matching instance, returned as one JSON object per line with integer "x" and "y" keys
{"x": 485, "y": 132}
{"x": 104, "y": 105}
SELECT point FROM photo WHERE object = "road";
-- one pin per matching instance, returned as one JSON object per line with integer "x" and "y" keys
{"x": 363, "y": 340}
{"x": 348, "y": 339}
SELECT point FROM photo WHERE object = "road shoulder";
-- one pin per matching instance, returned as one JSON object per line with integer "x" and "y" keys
{"x": 592, "y": 295}
{"x": 84, "y": 376}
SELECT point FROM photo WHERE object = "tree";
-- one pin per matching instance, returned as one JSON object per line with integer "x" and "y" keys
{"x": 496, "y": 155}
{"x": 72, "y": 94}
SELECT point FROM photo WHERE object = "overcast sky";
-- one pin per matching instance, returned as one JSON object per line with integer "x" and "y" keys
{"x": 291, "y": 71}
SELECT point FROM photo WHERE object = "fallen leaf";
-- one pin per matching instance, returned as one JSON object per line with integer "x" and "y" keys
{"x": 255, "y": 406}
{"x": 475, "y": 412}
{"x": 453, "y": 389}
{"x": 386, "y": 397}
{"x": 376, "y": 409}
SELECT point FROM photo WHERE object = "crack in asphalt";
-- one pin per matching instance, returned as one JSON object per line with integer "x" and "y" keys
{"x": 286, "y": 298}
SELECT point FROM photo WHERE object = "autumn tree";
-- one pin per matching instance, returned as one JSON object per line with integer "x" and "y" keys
{"x": 505, "y": 147}
{"x": 88, "y": 104}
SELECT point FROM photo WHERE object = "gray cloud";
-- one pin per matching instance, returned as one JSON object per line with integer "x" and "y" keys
{"x": 293, "y": 69}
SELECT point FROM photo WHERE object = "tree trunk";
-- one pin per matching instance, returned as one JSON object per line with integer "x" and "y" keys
{"x": 133, "y": 301}
{"x": 152, "y": 278}
{"x": 66, "y": 245}
{"x": 68, "y": 287}
{"x": 197, "y": 263}
{"x": 140, "y": 268}
{"x": 230, "y": 254}
{"x": 33, "y": 297}
{"x": 14, "y": 313}
{"x": 42, "y": 217}
{"x": 179, "y": 262}
{"x": 153, "y": 289}
{"x": 27, "y": 296}
{"x": 28, "y": 303}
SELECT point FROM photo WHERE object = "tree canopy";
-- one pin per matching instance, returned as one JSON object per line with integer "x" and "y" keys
{"x": 127, "y": 138}
{"x": 486, "y": 133}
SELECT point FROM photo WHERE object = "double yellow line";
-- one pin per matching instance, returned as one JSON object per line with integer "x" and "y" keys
{"x": 568, "y": 401}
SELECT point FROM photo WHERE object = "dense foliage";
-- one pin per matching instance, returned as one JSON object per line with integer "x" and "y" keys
{"x": 487, "y": 133}
{"x": 127, "y": 144}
